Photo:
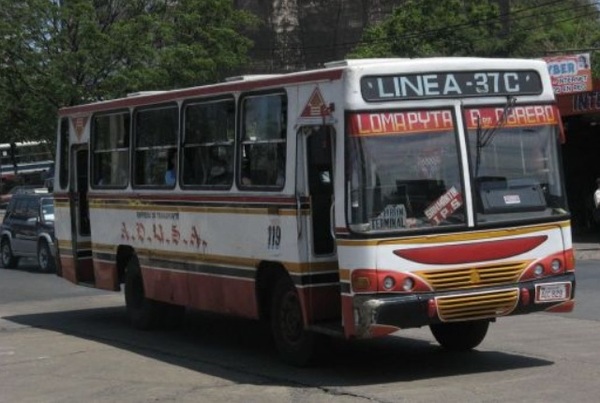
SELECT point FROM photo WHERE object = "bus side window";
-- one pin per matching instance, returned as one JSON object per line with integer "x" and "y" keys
{"x": 220, "y": 163}
{"x": 208, "y": 138}
{"x": 194, "y": 171}
{"x": 264, "y": 165}
{"x": 110, "y": 149}
{"x": 156, "y": 134}
{"x": 263, "y": 142}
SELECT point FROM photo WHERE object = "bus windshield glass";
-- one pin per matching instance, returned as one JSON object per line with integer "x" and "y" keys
{"x": 515, "y": 163}
{"x": 403, "y": 171}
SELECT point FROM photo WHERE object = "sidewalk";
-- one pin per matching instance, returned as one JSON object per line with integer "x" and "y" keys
{"x": 587, "y": 246}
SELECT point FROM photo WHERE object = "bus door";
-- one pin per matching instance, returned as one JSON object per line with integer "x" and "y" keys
{"x": 323, "y": 290}
{"x": 80, "y": 221}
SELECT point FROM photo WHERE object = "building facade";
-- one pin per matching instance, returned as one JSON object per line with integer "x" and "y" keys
{"x": 581, "y": 151}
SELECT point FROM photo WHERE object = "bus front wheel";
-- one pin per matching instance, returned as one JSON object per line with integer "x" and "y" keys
{"x": 295, "y": 344}
{"x": 460, "y": 336}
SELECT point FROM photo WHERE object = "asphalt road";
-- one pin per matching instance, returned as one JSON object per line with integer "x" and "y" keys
{"x": 64, "y": 343}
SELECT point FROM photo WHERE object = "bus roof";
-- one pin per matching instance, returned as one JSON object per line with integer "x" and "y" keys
{"x": 331, "y": 71}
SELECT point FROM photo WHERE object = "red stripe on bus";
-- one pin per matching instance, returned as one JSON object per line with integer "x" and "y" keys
{"x": 321, "y": 303}
{"x": 211, "y": 90}
{"x": 563, "y": 307}
{"x": 231, "y": 296}
{"x": 348, "y": 316}
{"x": 198, "y": 291}
{"x": 106, "y": 276}
{"x": 471, "y": 252}
{"x": 185, "y": 196}
{"x": 76, "y": 273}
{"x": 381, "y": 330}
{"x": 67, "y": 265}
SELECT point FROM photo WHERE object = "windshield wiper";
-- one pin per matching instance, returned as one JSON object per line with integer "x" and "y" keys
{"x": 485, "y": 139}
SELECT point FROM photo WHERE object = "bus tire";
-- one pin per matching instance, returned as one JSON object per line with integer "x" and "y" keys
{"x": 460, "y": 336}
{"x": 44, "y": 257}
{"x": 9, "y": 260}
{"x": 295, "y": 344}
{"x": 143, "y": 312}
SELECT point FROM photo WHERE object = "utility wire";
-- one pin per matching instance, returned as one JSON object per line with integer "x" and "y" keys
{"x": 575, "y": 17}
{"x": 514, "y": 14}
{"x": 541, "y": 24}
{"x": 573, "y": 50}
{"x": 536, "y": 24}
{"x": 520, "y": 19}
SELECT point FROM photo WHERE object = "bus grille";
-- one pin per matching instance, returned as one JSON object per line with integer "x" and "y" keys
{"x": 477, "y": 306}
{"x": 481, "y": 276}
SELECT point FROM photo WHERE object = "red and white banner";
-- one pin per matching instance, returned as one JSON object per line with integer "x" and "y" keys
{"x": 570, "y": 73}
{"x": 517, "y": 116}
{"x": 382, "y": 123}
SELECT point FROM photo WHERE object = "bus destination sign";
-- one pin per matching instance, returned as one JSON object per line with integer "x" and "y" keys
{"x": 446, "y": 85}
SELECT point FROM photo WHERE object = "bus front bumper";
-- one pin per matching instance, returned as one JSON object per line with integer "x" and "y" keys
{"x": 395, "y": 311}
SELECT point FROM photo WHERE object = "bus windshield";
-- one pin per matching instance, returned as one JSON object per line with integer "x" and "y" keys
{"x": 403, "y": 171}
{"x": 515, "y": 163}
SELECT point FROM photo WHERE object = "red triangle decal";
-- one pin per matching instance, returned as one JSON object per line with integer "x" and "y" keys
{"x": 315, "y": 107}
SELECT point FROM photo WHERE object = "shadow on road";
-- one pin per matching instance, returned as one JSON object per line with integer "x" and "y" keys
{"x": 242, "y": 351}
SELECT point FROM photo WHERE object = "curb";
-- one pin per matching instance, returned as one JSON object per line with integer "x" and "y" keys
{"x": 587, "y": 254}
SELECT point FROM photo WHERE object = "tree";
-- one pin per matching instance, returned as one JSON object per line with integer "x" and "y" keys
{"x": 58, "y": 53}
{"x": 531, "y": 28}
{"x": 423, "y": 28}
{"x": 548, "y": 28}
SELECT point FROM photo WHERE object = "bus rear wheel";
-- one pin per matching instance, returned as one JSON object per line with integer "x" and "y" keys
{"x": 143, "y": 312}
{"x": 460, "y": 336}
{"x": 295, "y": 344}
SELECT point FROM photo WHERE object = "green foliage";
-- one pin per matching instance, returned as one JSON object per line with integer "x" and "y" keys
{"x": 531, "y": 28}
{"x": 424, "y": 28}
{"x": 56, "y": 53}
{"x": 67, "y": 52}
{"x": 543, "y": 28}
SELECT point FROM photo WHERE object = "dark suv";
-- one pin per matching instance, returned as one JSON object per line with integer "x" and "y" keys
{"x": 28, "y": 230}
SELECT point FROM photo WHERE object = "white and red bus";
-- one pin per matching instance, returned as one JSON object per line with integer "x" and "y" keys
{"x": 355, "y": 200}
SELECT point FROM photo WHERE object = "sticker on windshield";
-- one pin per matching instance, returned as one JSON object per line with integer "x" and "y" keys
{"x": 393, "y": 216}
{"x": 444, "y": 206}
{"x": 512, "y": 199}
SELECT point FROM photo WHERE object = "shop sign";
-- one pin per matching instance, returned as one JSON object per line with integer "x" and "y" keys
{"x": 570, "y": 73}
{"x": 577, "y": 104}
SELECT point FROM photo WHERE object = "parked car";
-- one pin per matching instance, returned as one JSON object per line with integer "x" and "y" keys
{"x": 27, "y": 230}
{"x": 5, "y": 198}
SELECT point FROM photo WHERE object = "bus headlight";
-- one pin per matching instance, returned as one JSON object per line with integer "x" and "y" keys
{"x": 555, "y": 266}
{"x": 408, "y": 284}
{"x": 538, "y": 270}
{"x": 389, "y": 283}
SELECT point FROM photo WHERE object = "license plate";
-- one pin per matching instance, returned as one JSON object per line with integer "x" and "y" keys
{"x": 552, "y": 292}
